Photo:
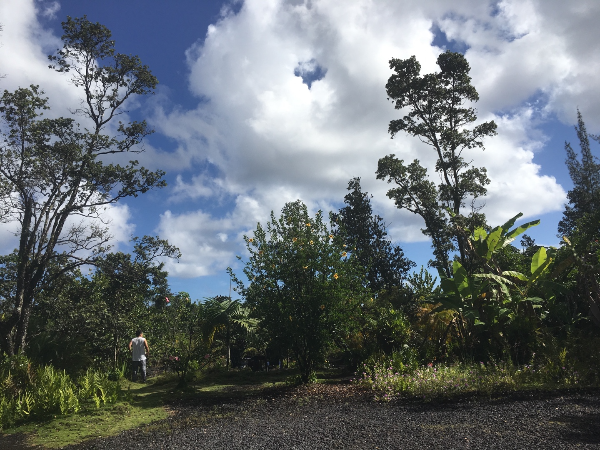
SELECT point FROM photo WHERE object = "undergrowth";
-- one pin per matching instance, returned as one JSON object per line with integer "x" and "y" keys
{"x": 390, "y": 379}
{"x": 29, "y": 392}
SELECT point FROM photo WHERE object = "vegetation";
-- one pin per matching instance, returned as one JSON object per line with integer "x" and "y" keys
{"x": 52, "y": 171}
{"x": 305, "y": 285}
{"x": 318, "y": 292}
{"x": 439, "y": 117}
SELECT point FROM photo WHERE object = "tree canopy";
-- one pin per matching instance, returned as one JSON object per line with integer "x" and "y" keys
{"x": 304, "y": 284}
{"x": 366, "y": 234}
{"x": 54, "y": 181}
{"x": 439, "y": 115}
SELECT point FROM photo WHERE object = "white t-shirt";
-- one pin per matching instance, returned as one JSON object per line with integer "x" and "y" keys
{"x": 138, "y": 349}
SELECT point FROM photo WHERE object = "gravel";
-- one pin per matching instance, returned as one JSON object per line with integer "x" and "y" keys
{"x": 343, "y": 417}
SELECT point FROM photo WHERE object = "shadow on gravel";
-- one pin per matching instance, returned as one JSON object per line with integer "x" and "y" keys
{"x": 581, "y": 430}
{"x": 585, "y": 428}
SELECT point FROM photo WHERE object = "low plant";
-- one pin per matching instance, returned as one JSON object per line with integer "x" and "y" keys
{"x": 430, "y": 382}
{"x": 33, "y": 393}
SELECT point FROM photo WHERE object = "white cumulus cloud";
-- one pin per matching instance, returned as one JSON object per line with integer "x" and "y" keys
{"x": 268, "y": 138}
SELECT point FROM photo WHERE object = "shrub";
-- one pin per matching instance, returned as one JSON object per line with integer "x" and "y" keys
{"x": 30, "y": 393}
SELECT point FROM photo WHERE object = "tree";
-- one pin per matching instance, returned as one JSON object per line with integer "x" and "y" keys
{"x": 305, "y": 287}
{"x": 181, "y": 342}
{"x": 486, "y": 303}
{"x": 222, "y": 313}
{"x": 127, "y": 287}
{"x": 101, "y": 312}
{"x": 439, "y": 118}
{"x": 580, "y": 224}
{"x": 54, "y": 181}
{"x": 584, "y": 198}
{"x": 385, "y": 264}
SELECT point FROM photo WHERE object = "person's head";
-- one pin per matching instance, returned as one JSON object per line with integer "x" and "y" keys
{"x": 138, "y": 333}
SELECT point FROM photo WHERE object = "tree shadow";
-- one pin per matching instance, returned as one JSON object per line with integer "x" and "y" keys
{"x": 584, "y": 428}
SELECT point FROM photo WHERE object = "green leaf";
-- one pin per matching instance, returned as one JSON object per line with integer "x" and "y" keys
{"x": 492, "y": 242}
{"x": 479, "y": 242}
{"x": 497, "y": 278}
{"x": 448, "y": 286}
{"x": 538, "y": 259}
{"x": 508, "y": 225}
{"x": 461, "y": 279}
{"x": 479, "y": 234}
{"x": 533, "y": 300}
{"x": 504, "y": 312}
{"x": 510, "y": 236}
{"x": 514, "y": 274}
{"x": 472, "y": 314}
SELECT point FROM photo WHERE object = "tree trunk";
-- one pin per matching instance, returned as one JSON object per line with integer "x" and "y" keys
{"x": 228, "y": 347}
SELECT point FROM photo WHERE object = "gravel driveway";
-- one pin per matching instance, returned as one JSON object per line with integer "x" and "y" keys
{"x": 340, "y": 417}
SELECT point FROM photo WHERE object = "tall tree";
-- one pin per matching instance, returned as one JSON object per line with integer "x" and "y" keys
{"x": 439, "y": 116}
{"x": 584, "y": 198}
{"x": 54, "y": 181}
{"x": 305, "y": 288}
{"x": 385, "y": 264}
{"x": 580, "y": 224}
{"x": 106, "y": 308}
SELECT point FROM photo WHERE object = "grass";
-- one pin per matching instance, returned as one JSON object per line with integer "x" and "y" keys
{"x": 143, "y": 404}
{"x": 446, "y": 382}
{"x": 147, "y": 405}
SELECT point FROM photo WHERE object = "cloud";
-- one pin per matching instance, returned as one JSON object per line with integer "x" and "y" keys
{"x": 291, "y": 105}
{"x": 24, "y": 54}
{"x": 49, "y": 9}
{"x": 279, "y": 127}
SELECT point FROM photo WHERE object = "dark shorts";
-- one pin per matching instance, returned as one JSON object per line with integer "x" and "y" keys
{"x": 138, "y": 366}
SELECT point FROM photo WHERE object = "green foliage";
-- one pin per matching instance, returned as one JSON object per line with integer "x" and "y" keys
{"x": 423, "y": 284}
{"x": 381, "y": 330}
{"x": 231, "y": 318}
{"x": 486, "y": 302}
{"x": 34, "y": 393}
{"x": 390, "y": 379}
{"x": 584, "y": 198}
{"x": 51, "y": 170}
{"x": 305, "y": 287}
{"x": 580, "y": 224}
{"x": 438, "y": 117}
{"x": 179, "y": 344}
{"x": 385, "y": 264}
{"x": 88, "y": 321}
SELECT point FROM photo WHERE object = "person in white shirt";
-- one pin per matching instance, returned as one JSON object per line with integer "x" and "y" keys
{"x": 139, "y": 352}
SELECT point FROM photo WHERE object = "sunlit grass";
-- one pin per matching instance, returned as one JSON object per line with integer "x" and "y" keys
{"x": 442, "y": 381}
{"x": 142, "y": 404}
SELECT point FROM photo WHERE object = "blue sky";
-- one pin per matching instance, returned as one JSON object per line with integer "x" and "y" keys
{"x": 261, "y": 102}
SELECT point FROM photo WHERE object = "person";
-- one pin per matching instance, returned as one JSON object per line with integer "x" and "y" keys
{"x": 139, "y": 352}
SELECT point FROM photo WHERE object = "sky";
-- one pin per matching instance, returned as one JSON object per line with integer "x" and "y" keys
{"x": 262, "y": 102}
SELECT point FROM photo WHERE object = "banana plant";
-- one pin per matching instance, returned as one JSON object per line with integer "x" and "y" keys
{"x": 491, "y": 297}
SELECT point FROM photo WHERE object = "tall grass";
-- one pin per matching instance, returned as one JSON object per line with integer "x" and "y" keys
{"x": 440, "y": 381}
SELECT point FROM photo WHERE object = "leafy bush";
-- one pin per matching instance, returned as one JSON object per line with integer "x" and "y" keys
{"x": 32, "y": 393}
